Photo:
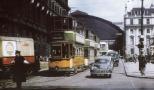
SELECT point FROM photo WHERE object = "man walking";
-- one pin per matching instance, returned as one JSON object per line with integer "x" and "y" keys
{"x": 142, "y": 63}
{"x": 19, "y": 70}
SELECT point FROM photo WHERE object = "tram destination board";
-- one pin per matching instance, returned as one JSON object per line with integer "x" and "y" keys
{"x": 57, "y": 36}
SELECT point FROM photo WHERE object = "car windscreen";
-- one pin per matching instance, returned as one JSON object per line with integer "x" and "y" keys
{"x": 112, "y": 54}
{"x": 102, "y": 61}
{"x": 104, "y": 53}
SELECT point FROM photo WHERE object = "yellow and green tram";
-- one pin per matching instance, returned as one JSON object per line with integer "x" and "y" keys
{"x": 67, "y": 57}
{"x": 67, "y": 46}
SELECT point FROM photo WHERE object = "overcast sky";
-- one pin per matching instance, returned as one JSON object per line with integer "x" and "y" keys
{"x": 112, "y": 10}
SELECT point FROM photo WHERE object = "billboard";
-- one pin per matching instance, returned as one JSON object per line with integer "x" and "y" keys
{"x": 8, "y": 48}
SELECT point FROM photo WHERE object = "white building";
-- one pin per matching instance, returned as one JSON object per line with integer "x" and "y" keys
{"x": 133, "y": 30}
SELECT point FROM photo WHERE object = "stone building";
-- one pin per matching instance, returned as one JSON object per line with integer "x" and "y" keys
{"x": 133, "y": 30}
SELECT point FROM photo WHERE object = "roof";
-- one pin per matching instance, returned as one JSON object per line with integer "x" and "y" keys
{"x": 149, "y": 10}
{"x": 103, "y": 28}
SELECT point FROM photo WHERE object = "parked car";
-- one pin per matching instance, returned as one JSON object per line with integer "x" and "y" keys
{"x": 102, "y": 66}
{"x": 115, "y": 57}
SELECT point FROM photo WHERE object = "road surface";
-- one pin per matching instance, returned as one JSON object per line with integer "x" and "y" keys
{"x": 83, "y": 81}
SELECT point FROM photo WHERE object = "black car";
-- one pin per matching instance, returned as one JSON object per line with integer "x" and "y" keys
{"x": 103, "y": 66}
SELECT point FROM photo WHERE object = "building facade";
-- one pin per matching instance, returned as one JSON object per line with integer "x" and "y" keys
{"x": 31, "y": 18}
{"x": 92, "y": 45}
{"x": 132, "y": 27}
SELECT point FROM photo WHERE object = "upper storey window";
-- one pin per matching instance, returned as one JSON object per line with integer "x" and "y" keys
{"x": 139, "y": 21}
{"x": 131, "y": 22}
{"x": 148, "y": 21}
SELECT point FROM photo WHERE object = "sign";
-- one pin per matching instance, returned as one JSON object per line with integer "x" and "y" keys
{"x": 9, "y": 48}
{"x": 58, "y": 36}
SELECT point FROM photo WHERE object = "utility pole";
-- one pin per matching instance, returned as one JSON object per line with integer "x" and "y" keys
{"x": 141, "y": 44}
{"x": 141, "y": 57}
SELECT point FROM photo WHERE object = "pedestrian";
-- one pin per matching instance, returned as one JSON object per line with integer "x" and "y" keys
{"x": 142, "y": 63}
{"x": 19, "y": 71}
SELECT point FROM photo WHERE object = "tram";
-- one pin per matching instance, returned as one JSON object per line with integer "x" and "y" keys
{"x": 67, "y": 48}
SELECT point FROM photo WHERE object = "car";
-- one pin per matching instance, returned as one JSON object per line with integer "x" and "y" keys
{"x": 115, "y": 57}
{"x": 102, "y": 66}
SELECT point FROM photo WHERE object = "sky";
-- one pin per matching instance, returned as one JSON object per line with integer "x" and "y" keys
{"x": 112, "y": 10}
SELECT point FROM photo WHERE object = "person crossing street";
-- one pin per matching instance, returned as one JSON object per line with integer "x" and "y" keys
{"x": 19, "y": 71}
{"x": 142, "y": 63}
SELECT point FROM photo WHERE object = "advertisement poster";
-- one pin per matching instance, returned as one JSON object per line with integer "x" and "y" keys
{"x": 9, "y": 48}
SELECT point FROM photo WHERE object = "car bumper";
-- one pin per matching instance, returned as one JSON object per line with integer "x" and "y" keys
{"x": 101, "y": 73}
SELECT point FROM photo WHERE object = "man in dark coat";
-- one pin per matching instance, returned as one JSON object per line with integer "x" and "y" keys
{"x": 19, "y": 70}
{"x": 142, "y": 63}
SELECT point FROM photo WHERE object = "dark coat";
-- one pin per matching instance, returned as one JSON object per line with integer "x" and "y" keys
{"x": 142, "y": 62}
{"x": 19, "y": 69}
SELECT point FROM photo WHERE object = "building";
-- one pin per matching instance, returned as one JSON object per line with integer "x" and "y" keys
{"x": 58, "y": 7}
{"x": 31, "y": 18}
{"x": 133, "y": 30}
{"x": 105, "y": 30}
{"x": 92, "y": 45}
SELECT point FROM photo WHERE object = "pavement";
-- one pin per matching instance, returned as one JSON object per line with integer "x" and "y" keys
{"x": 43, "y": 65}
{"x": 132, "y": 70}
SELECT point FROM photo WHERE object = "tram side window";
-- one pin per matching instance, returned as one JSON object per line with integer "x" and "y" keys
{"x": 65, "y": 51}
{"x": 72, "y": 50}
{"x": 86, "y": 52}
{"x": 56, "y": 51}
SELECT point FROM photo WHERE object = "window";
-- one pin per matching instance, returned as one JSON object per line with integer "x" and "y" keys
{"x": 56, "y": 51}
{"x": 131, "y": 21}
{"x": 132, "y": 31}
{"x": 148, "y": 30}
{"x": 148, "y": 40}
{"x": 132, "y": 40}
{"x": 139, "y": 21}
{"x": 132, "y": 51}
{"x": 65, "y": 52}
{"x": 148, "y": 21}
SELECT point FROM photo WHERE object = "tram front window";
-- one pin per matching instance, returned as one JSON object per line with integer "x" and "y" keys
{"x": 56, "y": 51}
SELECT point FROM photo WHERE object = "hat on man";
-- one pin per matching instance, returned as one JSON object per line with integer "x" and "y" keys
{"x": 17, "y": 52}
